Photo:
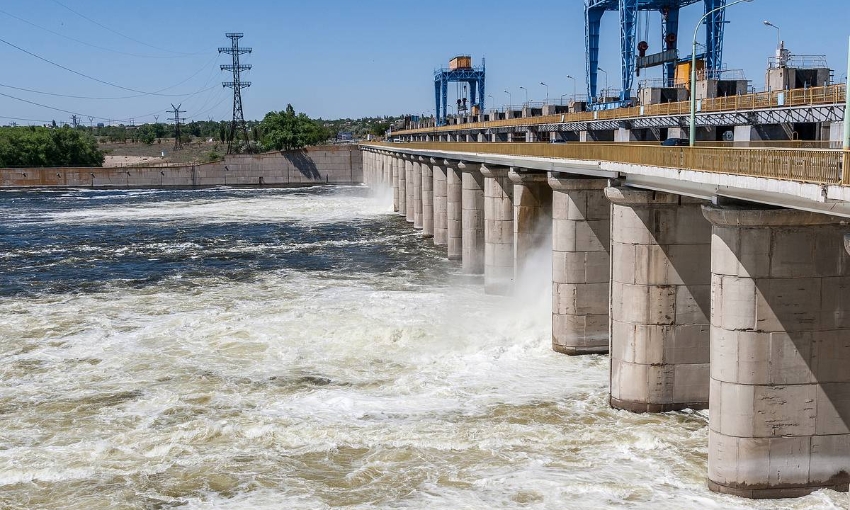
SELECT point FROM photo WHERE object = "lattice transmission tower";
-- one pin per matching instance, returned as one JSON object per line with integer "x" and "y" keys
{"x": 238, "y": 122}
{"x": 176, "y": 111}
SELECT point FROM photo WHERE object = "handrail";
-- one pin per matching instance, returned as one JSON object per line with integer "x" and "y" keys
{"x": 820, "y": 166}
{"x": 830, "y": 94}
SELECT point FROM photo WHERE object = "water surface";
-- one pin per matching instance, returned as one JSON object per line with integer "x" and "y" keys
{"x": 299, "y": 348}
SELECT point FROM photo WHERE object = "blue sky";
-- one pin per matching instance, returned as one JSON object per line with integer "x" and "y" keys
{"x": 344, "y": 58}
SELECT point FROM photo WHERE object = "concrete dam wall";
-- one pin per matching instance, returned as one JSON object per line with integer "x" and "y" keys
{"x": 313, "y": 165}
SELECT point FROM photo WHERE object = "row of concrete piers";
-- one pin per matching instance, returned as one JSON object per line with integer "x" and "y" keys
{"x": 742, "y": 308}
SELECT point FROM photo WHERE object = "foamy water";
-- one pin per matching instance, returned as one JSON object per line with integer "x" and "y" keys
{"x": 299, "y": 349}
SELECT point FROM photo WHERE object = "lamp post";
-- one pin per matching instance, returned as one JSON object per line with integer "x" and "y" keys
{"x": 778, "y": 33}
{"x": 494, "y": 101}
{"x": 547, "y": 91}
{"x": 692, "y": 133}
{"x": 606, "y": 80}
{"x": 846, "y": 144}
{"x": 574, "y": 86}
{"x": 510, "y": 100}
{"x": 526, "y": 94}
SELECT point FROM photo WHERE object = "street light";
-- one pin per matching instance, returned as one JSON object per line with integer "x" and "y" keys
{"x": 547, "y": 91}
{"x": 778, "y": 33}
{"x": 509, "y": 100}
{"x": 692, "y": 133}
{"x": 494, "y": 101}
{"x": 526, "y": 94}
{"x": 846, "y": 143}
{"x": 606, "y": 80}
{"x": 574, "y": 86}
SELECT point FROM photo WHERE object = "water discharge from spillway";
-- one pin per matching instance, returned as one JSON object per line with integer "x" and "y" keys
{"x": 299, "y": 348}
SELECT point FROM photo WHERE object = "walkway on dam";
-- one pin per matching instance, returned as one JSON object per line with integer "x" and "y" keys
{"x": 713, "y": 277}
{"x": 815, "y": 104}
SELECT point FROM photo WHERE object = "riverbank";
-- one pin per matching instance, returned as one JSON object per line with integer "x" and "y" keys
{"x": 332, "y": 164}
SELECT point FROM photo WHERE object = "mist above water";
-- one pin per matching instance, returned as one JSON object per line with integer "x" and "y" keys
{"x": 300, "y": 348}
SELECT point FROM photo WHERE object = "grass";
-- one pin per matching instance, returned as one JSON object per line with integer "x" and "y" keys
{"x": 198, "y": 151}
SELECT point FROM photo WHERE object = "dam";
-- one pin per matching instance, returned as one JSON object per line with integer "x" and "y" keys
{"x": 712, "y": 283}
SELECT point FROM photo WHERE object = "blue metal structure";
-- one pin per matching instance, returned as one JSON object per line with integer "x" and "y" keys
{"x": 669, "y": 9}
{"x": 474, "y": 76}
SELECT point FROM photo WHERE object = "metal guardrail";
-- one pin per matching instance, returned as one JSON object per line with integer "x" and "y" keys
{"x": 832, "y": 94}
{"x": 818, "y": 166}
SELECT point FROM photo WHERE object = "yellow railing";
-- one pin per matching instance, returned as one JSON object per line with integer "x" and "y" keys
{"x": 832, "y": 94}
{"x": 802, "y": 165}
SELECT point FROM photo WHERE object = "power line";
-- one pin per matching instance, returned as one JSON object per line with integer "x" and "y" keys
{"x": 84, "y": 42}
{"x": 100, "y": 98}
{"x": 72, "y": 112}
{"x": 25, "y": 120}
{"x": 122, "y": 35}
{"x": 142, "y": 92}
{"x": 210, "y": 108}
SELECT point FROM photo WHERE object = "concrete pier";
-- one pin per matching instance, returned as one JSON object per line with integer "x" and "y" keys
{"x": 427, "y": 197}
{"x": 394, "y": 182}
{"x": 532, "y": 218}
{"x": 780, "y": 352}
{"x": 402, "y": 185}
{"x": 409, "y": 186}
{"x": 472, "y": 241}
{"x": 441, "y": 232}
{"x": 454, "y": 210}
{"x": 660, "y": 301}
{"x": 498, "y": 230}
{"x": 580, "y": 265}
{"x": 416, "y": 177}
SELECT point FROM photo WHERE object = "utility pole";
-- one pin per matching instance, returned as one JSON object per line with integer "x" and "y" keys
{"x": 156, "y": 119}
{"x": 91, "y": 121}
{"x": 238, "y": 122}
{"x": 176, "y": 111}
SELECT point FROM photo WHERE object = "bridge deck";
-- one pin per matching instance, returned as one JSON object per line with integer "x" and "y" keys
{"x": 818, "y": 166}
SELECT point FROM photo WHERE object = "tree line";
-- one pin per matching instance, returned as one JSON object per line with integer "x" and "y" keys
{"x": 32, "y": 146}
{"x": 78, "y": 146}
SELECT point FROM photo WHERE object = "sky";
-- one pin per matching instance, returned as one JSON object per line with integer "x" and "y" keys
{"x": 130, "y": 60}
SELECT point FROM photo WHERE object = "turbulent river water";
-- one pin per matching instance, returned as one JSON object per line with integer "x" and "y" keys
{"x": 299, "y": 348}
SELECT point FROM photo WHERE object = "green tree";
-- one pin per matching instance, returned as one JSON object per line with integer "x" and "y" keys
{"x": 147, "y": 134}
{"x": 38, "y": 146}
{"x": 285, "y": 130}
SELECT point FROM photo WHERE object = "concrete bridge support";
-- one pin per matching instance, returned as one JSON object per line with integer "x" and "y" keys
{"x": 581, "y": 217}
{"x": 498, "y": 230}
{"x": 532, "y": 220}
{"x": 441, "y": 232}
{"x": 402, "y": 185}
{"x": 427, "y": 198}
{"x": 367, "y": 167}
{"x": 472, "y": 242}
{"x": 660, "y": 301}
{"x": 409, "y": 185}
{"x": 780, "y": 349}
{"x": 454, "y": 211}
{"x": 416, "y": 176}
{"x": 394, "y": 181}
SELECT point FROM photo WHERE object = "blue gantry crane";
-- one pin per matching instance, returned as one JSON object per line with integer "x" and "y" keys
{"x": 460, "y": 70}
{"x": 630, "y": 63}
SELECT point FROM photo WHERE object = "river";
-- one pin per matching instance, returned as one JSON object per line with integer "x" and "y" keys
{"x": 299, "y": 348}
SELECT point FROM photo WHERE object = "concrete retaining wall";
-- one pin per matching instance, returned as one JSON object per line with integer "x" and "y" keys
{"x": 328, "y": 164}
